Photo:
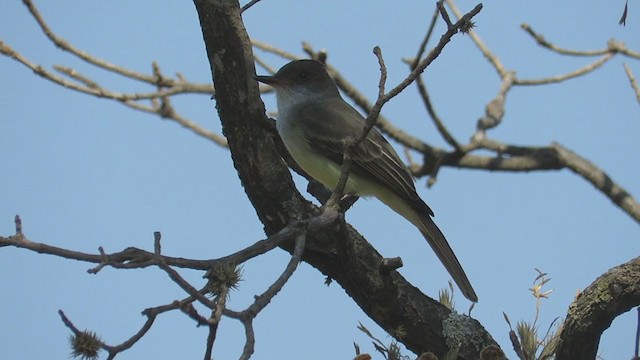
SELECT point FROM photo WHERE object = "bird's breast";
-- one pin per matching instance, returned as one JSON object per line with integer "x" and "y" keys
{"x": 319, "y": 167}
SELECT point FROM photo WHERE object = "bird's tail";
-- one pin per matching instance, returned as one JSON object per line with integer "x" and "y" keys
{"x": 418, "y": 213}
{"x": 441, "y": 247}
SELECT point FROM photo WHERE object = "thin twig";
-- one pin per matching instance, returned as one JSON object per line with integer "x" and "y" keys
{"x": 383, "y": 97}
{"x": 613, "y": 46}
{"x": 211, "y": 338}
{"x": 385, "y": 125}
{"x": 68, "y": 323}
{"x": 176, "y": 278}
{"x": 88, "y": 86}
{"x": 18, "y": 223}
{"x": 127, "y": 344}
{"x": 422, "y": 65}
{"x": 422, "y": 89}
{"x": 248, "y": 5}
{"x": 133, "y": 258}
{"x": 548, "y": 45}
{"x": 493, "y": 59}
{"x": 559, "y": 78}
{"x": 423, "y": 45}
{"x": 433, "y": 54}
{"x": 444, "y": 14}
{"x": 272, "y": 49}
{"x": 263, "y": 299}
{"x": 76, "y": 76}
{"x": 66, "y": 46}
{"x": 113, "y": 350}
{"x": 632, "y": 80}
{"x": 250, "y": 339}
{"x": 495, "y": 109}
{"x": 442, "y": 129}
{"x": 265, "y": 66}
{"x": 637, "y": 342}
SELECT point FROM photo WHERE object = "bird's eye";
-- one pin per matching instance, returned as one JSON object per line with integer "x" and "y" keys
{"x": 303, "y": 75}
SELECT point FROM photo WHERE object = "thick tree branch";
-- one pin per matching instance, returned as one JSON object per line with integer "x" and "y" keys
{"x": 337, "y": 251}
{"x": 591, "y": 313}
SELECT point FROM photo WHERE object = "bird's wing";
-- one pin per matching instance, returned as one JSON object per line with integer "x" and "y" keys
{"x": 374, "y": 158}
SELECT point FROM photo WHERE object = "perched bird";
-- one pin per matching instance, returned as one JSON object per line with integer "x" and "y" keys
{"x": 316, "y": 124}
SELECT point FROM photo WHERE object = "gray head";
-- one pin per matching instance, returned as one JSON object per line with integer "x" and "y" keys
{"x": 307, "y": 78}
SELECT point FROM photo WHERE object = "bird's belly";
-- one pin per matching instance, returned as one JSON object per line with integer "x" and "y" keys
{"x": 328, "y": 172}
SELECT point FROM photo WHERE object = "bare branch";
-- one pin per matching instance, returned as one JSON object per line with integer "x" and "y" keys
{"x": 68, "y": 323}
{"x": 423, "y": 45}
{"x": 248, "y": 5}
{"x": 76, "y": 76}
{"x": 613, "y": 46}
{"x": 184, "y": 285}
{"x": 632, "y": 80}
{"x": 442, "y": 129}
{"x": 559, "y": 78}
{"x": 18, "y": 223}
{"x": 270, "y": 69}
{"x": 493, "y": 59}
{"x": 433, "y": 54}
{"x": 383, "y": 97}
{"x": 263, "y": 299}
{"x": 113, "y": 350}
{"x": 522, "y": 159}
{"x": 250, "y": 339}
{"x": 591, "y": 313}
{"x": 599, "y": 179}
{"x": 272, "y": 49}
{"x": 495, "y": 109}
{"x": 66, "y": 46}
{"x": 383, "y": 123}
{"x": 133, "y": 258}
{"x": 90, "y": 87}
{"x": 444, "y": 14}
{"x": 548, "y": 45}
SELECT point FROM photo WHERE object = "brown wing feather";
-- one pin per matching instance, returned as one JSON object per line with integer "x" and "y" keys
{"x": 374, "y": 157}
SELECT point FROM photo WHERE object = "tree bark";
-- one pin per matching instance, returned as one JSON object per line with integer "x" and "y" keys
{"x": 591, "y": 313}
{"x": 339, "y": 252}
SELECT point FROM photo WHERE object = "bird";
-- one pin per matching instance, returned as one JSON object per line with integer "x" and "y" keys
{"x": 316, "y": 124}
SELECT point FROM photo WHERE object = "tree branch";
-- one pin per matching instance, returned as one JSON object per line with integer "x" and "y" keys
{"x": 599, "y": 179}
{"x": 133, "y": 258}
{"x": 338, "y": 251}
{"x": 633, "y": 82}
{"x": 593, "y": 310}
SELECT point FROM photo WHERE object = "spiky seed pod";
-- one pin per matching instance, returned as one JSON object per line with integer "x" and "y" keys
{"x": 86, "y": 345}
{"x": 224, "y": 276}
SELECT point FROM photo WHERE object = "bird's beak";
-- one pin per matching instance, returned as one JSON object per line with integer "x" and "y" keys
{"x": 270, "y": 80}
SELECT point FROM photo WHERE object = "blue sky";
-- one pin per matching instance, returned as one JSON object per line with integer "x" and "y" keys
{"x": 85, "y": 172}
